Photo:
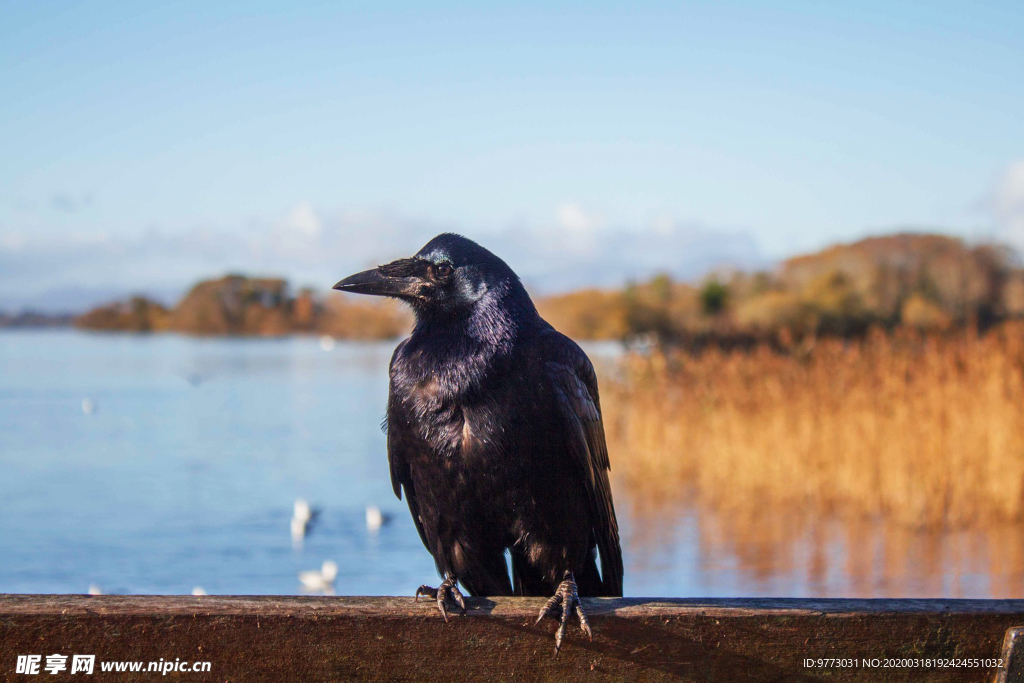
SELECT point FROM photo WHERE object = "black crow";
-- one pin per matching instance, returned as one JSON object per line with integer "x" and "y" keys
{"x": 495, "y": 435}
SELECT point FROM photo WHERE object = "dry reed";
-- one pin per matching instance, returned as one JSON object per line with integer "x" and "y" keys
{"x": 919, "y": 431}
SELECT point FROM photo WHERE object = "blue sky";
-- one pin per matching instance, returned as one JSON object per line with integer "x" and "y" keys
{"x": 146, "y": 146}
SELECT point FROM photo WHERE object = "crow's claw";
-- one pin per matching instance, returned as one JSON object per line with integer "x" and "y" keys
{"x": 569, "y": 599}
{"x": 448, "y": 590}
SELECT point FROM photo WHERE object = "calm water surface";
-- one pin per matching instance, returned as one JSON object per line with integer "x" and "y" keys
{"x": 184, "y": 472}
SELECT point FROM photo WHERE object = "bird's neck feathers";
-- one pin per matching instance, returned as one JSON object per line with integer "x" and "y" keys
{"x": 492, "y": 325}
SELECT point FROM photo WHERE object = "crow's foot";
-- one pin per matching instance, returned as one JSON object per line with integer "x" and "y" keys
{"x": 569, "y": 599}
{"x": 446, "y": 594}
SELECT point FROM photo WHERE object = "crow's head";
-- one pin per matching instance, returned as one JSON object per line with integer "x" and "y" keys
{"x": 451, "y": 274}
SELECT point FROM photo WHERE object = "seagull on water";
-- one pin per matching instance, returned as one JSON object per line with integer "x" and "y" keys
{"x": 322, "y": 579}
{"x": 302, "y": 519}
{"x": 375, "y": 519}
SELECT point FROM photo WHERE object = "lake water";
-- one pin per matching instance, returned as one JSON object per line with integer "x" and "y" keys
{"x": 155, "y": 464}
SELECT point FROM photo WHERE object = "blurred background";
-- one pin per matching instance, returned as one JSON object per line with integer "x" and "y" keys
{"x": 787, "y": 234}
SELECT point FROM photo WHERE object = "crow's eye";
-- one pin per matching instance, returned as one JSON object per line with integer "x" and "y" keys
{"x": 443, "y": 269}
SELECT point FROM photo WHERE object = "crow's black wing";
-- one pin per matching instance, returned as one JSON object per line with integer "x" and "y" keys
{"x": 399, "y": 441}
{"x": 575, "y": 385}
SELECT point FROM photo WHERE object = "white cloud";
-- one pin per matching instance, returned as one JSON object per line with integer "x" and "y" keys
{"x": 573, "y": 218}
{"x": 304, "y": 219}
{"x": 1007, "y": 203}
{"x": 12, "y": 241}
{"x": 664, "y": 224}
{"x": 317, "y": 248}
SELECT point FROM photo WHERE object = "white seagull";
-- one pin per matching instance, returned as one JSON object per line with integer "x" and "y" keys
{"x": 375, "y": 519}
{"x": 322, "y": 580}
{"x": 302, "y": 519}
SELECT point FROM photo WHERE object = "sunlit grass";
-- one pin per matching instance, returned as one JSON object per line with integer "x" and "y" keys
{"x": 913, "y": 430}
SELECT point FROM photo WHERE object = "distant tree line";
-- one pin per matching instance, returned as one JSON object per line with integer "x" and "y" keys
{"x": 238, "y": 305}
{"x": 923, "y": 281}
{"x": 928, "y": 282}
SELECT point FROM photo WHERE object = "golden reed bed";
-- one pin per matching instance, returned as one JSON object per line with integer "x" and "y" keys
{"x": 923, "y": 432}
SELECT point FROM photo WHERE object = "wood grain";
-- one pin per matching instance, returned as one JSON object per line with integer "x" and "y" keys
{"x": 263, "y": 638}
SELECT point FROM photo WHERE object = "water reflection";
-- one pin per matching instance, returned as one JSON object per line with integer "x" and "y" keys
{"x": 765, "y": 552}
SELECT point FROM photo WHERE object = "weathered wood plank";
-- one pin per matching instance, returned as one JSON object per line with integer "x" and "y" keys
{"x": 396, "y": 639}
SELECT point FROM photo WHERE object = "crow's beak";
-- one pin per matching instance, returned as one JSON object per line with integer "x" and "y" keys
{"x": 375, "y": 282}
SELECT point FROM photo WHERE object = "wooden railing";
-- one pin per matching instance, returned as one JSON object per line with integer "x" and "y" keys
{"x": 306, "y": 639}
